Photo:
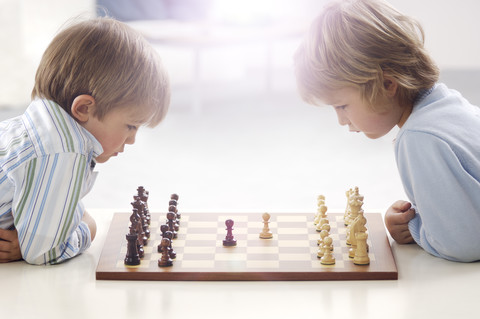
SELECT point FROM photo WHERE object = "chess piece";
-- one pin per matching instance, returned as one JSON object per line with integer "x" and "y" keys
{"x": 175, "y": 198}
{"x": 327, "y": 258}
{"x": 171, "y": 252}
{"x": 132, "y": 258}
{"x": 143, "y": 194}
{"x": 361, "y": 254}
{"x": 140, "y": 207}
{"x": 346, "y": 216}
{"x": 173, "y": 203}
{"x": 323, "y": 221}
{"x": 165, "y": 260}
{"x": 229, "y": 239}
{"x": 320, "y": 202}
{"x": 171, "y": 223}
{"x": 357, "y": 225}
{"x": 320, "y": 242}
{"x": 266, "y": 233}
{"x": 356, "y": 202}
{"x": 163, "y": 230}
{"x": 322, "y": 213}
{"x": 136, "y": 228}
{"x": 173, "y": 209}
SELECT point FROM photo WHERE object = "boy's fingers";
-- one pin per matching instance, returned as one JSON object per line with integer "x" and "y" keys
{"x": 8, "y": 235}
{"x": 402, "y": 205}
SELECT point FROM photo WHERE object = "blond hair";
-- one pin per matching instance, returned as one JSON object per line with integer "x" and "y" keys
{"x": 108, "y": 60}
{"x": 353, "y": 43}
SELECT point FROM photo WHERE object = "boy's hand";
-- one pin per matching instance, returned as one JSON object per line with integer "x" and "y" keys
{"x": 9, "y": 246}
{"x": 396, "y": 220}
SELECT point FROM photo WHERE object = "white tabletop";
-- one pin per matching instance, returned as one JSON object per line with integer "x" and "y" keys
{"x": 427, "y": 287}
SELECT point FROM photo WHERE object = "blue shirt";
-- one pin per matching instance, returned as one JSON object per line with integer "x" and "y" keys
{"x": 45, "y": 169}
{"x": 438, "y": 157}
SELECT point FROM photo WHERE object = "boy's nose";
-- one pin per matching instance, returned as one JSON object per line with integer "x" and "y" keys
{"x": 131, "y": 138}
{"x": 342, "y": 119}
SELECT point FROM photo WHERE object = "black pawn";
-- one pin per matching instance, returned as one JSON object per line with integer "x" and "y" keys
{"x": 229, "y": 239}
{"x": 163, "y": 229}
{"x": 173, "y": 202}
{"x": 173, "y": 209}
{"x": 171, "y": 252}
{"x": 165, "y": 260}
{"x": 171, "y": 223}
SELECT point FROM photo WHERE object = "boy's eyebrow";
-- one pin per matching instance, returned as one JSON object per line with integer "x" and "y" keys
{"x": 140, "y": 120}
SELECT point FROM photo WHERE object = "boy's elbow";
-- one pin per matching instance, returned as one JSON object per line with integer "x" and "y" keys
{"x": 35, "y": 260}
{"x": 91, "y": 224}
{"x": 93, "y": 232}
{"x": 459, "y": 252}
{"x": 464, "y": 256}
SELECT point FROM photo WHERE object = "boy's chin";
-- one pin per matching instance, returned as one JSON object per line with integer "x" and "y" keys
{"x": 102, "y": 159}
{"x": 373, "y": 136}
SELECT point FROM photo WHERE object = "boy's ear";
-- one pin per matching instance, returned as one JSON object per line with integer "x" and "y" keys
{"x": 83, "y": 107}
{"x": 390, "y": 84}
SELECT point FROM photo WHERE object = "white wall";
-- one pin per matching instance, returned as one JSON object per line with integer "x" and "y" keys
{"x": 27, "y": 26}
{"x": 452, "y": 30}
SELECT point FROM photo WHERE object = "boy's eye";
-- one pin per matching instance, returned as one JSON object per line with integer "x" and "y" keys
{"x": 340, "y": 107}
{"x": 132, "y": 127}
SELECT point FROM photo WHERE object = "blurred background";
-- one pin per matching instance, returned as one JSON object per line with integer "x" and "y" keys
{"x": 237, "y": 136}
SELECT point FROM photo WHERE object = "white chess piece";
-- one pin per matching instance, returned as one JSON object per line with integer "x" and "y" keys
{"x": 266, "y": 233}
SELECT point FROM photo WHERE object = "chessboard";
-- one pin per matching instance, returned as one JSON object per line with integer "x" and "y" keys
{"x": 290, "y": 255}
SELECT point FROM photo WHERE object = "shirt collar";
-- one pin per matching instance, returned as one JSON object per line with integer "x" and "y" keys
{"x": 422, "y": 94}
{"x": 57, "y": 131}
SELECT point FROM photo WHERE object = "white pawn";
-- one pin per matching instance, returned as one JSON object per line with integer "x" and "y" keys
{"x": 327, "y": 258}
{"x": 323, "y": 234}
{"x": 320, "y": 202}
{"x": 266, "y": 233}
{"x": 322, "y": 213}
{"x": 322, "y": 223}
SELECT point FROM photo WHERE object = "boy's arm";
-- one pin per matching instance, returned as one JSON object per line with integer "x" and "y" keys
{"x": 444, "y": 195}
{"x": 47, "y": 211}
{"x": 9, "y": 246}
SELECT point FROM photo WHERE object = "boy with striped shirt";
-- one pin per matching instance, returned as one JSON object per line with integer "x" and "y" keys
{"x": 97, "y": 83}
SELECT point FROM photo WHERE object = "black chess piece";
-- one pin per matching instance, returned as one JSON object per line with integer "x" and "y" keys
{"x": 229, "y": 239}
{"x": 163, "y": 230}
{"x": 171, "y": 252}
{"x": 132, "y": 258}
{"x": 165, "y": 260}
{"x": 171, "y": 223}
{"x": 173, "y": 209}
{"x": 143, "y": 194}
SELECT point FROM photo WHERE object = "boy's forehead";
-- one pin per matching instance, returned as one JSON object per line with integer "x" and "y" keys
{"x": 332, "y": 97}
{"x": 339, "y": 96}
{"x": 137, "y": 114}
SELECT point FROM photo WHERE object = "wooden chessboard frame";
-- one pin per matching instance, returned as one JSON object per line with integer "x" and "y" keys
{"x": 111, "y": 267}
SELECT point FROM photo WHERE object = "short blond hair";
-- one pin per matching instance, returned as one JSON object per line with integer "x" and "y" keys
{"x": 108, "y": 60}
{"x": 353, "y": 43}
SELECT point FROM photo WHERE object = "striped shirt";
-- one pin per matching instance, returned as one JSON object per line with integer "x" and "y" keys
{"x": 45, "y": 170}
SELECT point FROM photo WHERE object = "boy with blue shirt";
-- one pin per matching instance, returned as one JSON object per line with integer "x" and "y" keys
{"x": 368, "y": 61}
{"x": 97, "y": 83}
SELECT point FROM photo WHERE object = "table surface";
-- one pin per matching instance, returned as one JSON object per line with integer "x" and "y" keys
{"x": 427, "y": 287}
